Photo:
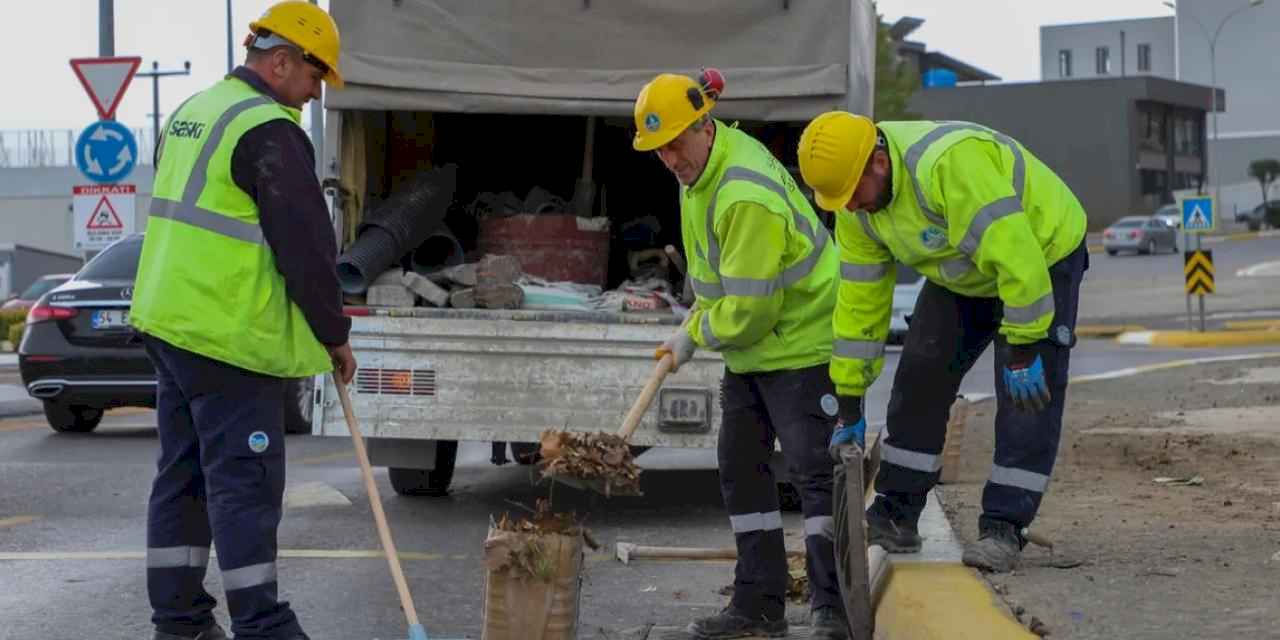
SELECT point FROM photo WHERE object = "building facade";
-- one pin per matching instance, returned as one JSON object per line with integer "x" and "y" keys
{"x": 1243, "y": 68}
{"x": 1108, "y": 49}
{"x": 1123, "y": 145}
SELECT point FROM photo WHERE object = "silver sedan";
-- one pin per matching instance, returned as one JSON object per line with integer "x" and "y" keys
{"x": 1143, "y": 234}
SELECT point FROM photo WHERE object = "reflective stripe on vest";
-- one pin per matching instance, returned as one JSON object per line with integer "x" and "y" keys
{"x": 187, "y": 211}
{"x": 988, "y": 214}
{"x": 755, "y": 286}
{"x": 853, "y": 272}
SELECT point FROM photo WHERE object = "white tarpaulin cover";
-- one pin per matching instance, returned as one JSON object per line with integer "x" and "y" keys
{"x": 782, "y": 59}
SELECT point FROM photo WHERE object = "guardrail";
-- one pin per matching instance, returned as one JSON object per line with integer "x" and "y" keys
{"x": 32, "y": 148}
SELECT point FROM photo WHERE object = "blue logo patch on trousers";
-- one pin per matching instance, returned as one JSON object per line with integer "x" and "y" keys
{"x": 258, "y": 442}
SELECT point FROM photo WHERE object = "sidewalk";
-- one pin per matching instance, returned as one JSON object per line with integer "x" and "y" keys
{"x": 1164, "y": 481}
{"x": 14, "y": 401}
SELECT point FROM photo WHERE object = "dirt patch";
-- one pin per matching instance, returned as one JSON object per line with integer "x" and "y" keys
{"x": 1191, "y": 559}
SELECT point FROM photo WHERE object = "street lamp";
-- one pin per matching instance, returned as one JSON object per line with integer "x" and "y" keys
{"x": 1213, "y": 79}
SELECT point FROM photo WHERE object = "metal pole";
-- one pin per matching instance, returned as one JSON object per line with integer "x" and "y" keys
{"x": 1122, "y": 54}
{"x": 155, "y": 102}
{"x": 317, "y": 129}
{"x": 1186, "y": 248}
{"x": 230, "y": 55}
{"x": 1213, "y": 97}
{"x": 1201, "y": 296}
{"x": 106, "y": 28}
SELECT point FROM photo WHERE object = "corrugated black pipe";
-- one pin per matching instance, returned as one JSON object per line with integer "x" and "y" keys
{"x": 371, "y": 254}
{"x": 441, "y": 249}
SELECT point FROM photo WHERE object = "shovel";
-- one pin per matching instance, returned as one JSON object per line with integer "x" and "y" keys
{"x": 416, "y": 630}
{"x": 629, "y": 424}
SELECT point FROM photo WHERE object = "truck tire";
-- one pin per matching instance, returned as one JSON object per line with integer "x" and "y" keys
{"x": 421, "y": 482}
{"x": 297, "y": 405}
{"x": 68, "y": 418}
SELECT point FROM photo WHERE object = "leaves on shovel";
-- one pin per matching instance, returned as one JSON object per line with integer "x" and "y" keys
{"x": 590, "y": 456}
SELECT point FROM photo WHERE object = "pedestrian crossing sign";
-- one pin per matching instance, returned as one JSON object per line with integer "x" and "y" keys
{"x": 1197, "y": 213}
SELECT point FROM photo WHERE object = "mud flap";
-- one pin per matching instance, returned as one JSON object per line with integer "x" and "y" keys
{"x": 851, "y": 542}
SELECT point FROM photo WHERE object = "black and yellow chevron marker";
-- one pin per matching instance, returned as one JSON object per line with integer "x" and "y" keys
{"x": 1198, "y": 269}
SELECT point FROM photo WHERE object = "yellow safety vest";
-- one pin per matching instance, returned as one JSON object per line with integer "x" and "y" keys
{"x": 207, "y": 281}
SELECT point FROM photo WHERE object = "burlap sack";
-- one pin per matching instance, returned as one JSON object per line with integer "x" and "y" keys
{"x": 535, "y": 594}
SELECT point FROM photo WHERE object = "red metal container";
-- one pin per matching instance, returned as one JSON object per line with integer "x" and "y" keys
{"x": 551, "y": 246}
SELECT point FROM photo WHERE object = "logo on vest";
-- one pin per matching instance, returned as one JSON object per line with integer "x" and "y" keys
{"x": 186, "y": 129}
{"x": 258, "y": 442}
{"x": 933, "y": 237}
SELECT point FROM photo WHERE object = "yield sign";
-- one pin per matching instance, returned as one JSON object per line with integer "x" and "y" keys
{"x": 105, "y": 79}
{"x": 104, "y": 217}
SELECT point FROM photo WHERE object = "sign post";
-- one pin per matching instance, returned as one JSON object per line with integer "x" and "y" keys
{"x": 105, "y": 153}
{"x": 1199, "y": 215}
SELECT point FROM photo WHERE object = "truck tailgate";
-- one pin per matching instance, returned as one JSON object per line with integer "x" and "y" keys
{"x": 446, "y": 374}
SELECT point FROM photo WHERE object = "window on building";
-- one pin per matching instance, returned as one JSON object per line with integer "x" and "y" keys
{"x": 1144, "y": 57}
{"x": 1064, "y": 63}
{"x": 1154, "y": 182}
{"x": 1153, "y": 127}
{"x": 1103, "y": 58}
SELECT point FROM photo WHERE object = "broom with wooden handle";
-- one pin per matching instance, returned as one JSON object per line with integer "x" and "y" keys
{"x": 416, "y": 630}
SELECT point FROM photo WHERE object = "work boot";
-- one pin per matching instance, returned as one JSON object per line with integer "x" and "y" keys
{"x": 212, "y": 633}
{"x": 730, "y": 623}
{"x": 828, "y": 624}
{"x": 997, "y": 549}
{"x": 893, "y": 536}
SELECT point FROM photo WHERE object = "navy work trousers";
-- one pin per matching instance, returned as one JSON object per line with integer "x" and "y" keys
{"x": 219, "y": 478}
{"x": 797, "y": 407}
{"x": 947, "y": 335}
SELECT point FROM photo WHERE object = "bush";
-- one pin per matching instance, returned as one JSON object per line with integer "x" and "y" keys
{"x": 15, "y": 334}
{"x": 1272, "y": 216}
{"x": 9, "y": 319}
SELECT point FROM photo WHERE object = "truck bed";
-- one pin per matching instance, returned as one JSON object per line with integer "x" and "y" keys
{"x": 491, "y": 375}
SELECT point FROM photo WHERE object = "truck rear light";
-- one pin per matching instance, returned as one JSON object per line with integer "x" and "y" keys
{"x": 43, "y": 312}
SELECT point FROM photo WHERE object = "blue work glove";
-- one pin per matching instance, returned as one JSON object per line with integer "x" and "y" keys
{"x": 1024, "y": 380}
{"x": 851, "y": 428}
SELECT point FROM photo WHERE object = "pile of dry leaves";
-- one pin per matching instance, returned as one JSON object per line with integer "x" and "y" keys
{"x": 526, "y": 554}
{"x": 591, "y": 456}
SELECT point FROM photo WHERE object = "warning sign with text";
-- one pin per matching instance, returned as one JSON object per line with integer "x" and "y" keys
{"x": 103, "y": 214}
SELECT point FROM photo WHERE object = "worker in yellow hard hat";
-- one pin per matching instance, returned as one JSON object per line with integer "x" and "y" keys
{"x": 763, "y": 271}
{"x": 236, "y": 298}
{"x": 1000, "y": 239}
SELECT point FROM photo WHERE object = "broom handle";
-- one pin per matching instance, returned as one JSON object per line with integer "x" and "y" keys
{"x": 388, "y": 545}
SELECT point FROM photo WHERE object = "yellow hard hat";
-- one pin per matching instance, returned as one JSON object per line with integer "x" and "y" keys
{"x": 310, "y": 28}
{"x": 670, "y": 103}
{"x": 833, "y": 152}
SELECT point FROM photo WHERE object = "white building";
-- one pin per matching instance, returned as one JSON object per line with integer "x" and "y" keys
{"x": 1177, "y": 47}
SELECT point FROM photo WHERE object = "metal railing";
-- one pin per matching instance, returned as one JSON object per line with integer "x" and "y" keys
{"x": 31, "y": 148}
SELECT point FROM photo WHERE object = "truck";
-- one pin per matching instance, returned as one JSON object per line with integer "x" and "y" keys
{"x": 524, "y": 95}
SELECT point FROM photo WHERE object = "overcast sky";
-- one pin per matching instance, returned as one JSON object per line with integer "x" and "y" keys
{"x": 38, "y": 37}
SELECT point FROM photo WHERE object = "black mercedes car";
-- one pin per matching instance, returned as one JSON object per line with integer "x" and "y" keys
{"x": 80, "y": 356}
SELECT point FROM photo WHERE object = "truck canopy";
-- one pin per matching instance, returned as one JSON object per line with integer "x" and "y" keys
{"x": 784, "y": 60}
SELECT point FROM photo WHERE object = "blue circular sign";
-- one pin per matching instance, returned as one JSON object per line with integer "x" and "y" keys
{"x": 106, "y": 151}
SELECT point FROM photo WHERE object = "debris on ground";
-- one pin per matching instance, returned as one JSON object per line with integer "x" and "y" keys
{"x": 1038, "y": 627}
{"x": 590, "y": 456}
{"x": 1190, "y": 481}
{"x": 797, "y": 580}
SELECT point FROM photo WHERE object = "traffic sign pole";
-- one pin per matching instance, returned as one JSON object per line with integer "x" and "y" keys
{"x": 1201, "y": 294}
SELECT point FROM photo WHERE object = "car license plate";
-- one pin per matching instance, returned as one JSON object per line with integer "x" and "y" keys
{"x": 110, "y": 319}
{"x": 683, "y": 409}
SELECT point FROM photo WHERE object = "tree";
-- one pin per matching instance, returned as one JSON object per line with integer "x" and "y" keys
{"x": 1266, "y": 171}
{"x": 896, "y": 79}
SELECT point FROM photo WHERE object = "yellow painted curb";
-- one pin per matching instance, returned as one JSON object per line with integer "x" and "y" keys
{"x": 1105, "y": 330}
{"x": 936, "y": 601}
{"x": 1271, "y": 324}
{"x": 1213, "y": 338}
{"x": 1095, "y": 248}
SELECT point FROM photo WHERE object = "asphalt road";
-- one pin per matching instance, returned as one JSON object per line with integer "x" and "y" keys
{"x": 72, "y": 532}
{"x": 1149, "y": 289}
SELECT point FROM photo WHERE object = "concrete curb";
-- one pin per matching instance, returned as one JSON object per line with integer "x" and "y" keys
{"x": 1272, "y": 324}
{"x": 1106, "y": 330}
{"x": 1195, "y": 339}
